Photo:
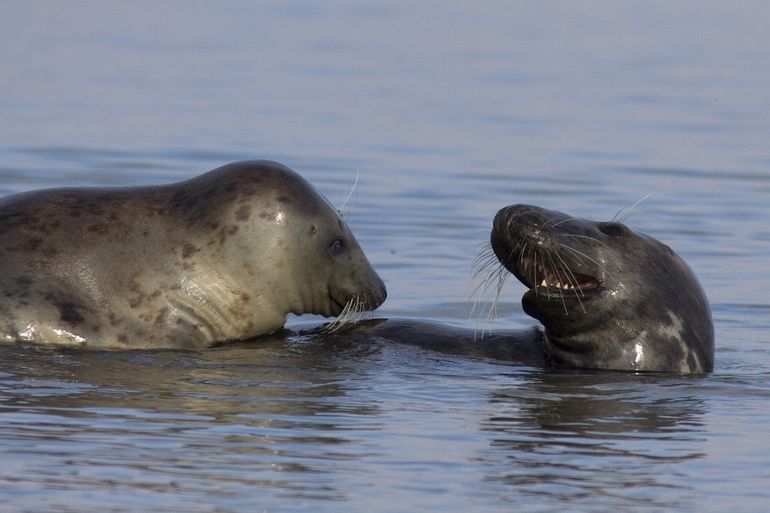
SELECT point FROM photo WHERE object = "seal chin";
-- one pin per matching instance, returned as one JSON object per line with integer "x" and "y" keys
{"x": 335, "y": 307}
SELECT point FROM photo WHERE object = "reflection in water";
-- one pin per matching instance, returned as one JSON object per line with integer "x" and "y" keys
{"x": 315, "y": 420}
{"x": 603, "y": 438}
{"x": 181, "y": 421}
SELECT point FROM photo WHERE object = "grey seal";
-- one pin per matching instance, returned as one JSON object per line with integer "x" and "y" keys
{"x": 608, "y": 297}
{"x": 221, "y": 257}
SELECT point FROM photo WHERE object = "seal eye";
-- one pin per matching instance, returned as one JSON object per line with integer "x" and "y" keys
{"x": 612, "y": 229}
{"x": 337, "y": 247}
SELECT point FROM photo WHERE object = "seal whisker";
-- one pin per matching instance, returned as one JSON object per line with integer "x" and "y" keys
{"x": 354, "y": 311}
{"x": 563, "y": 221}
{"x": 558, "y": 279}
{"x": 494, "y": 273}
{"x": 594, "y": 239}
{"x": 545, "y": 276}
{"x": 534, "y": 271}
{"x": 583, "y": 255}
{"x": 482, "y": 264}
{"x": 341, "y": 209}
{"x": 573, "y": 279}
{"x": 620, "y": 219}
{"x": 502, "y": 276}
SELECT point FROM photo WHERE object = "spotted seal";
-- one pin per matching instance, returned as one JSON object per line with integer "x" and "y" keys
{"x": 608, "y": 297}
{"x": 220, "y": 257}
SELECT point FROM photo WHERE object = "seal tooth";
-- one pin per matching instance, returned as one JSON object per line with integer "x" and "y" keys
{"x": 544, "y": 284}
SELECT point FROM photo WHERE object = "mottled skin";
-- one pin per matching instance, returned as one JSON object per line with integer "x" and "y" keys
{"x": 224, "y": 256}
{"x": 630, "y": 302}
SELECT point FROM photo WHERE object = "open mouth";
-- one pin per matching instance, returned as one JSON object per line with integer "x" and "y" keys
{"x": 562, "y": 282}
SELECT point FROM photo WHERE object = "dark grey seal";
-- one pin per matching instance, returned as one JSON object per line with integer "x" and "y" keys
{"x": 224, "y": 256}
{"x": 607, "y": 296}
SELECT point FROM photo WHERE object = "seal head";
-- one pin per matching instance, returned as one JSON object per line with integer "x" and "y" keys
{"x": 607, "y": 296}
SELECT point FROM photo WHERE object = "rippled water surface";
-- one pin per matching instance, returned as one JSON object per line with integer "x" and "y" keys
{"x": 446, "y": 111}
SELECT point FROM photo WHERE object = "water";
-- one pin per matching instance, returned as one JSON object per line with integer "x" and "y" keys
{"x": 448, "y": 111}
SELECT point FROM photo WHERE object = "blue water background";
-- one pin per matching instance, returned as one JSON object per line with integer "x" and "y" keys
{"x": 446, "y": 111}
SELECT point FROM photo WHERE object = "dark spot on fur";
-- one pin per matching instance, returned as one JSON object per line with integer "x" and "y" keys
{"x": 223, "y": 233}
{"x": 24, "y": 281}
{"x": 122, "y": 338}
{"x": 100, "y": 228}
{"x": 283, "y": 199}
{"x": 189, "y": 250}
{"x": 69, "y": 313}
{"x": 162, "y": 316}
{"x": 32, "y": 244}
{"x": 243, "y": 213}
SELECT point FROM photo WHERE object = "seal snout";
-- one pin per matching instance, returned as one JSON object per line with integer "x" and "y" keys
{"x": 358, "y": 300}
{"x": 372, "y": 299}
{"x": 536, "y": 246}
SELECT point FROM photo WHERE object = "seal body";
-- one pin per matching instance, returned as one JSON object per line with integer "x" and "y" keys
{"x": 223, "y": 256}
